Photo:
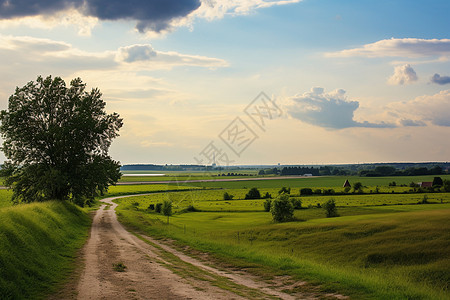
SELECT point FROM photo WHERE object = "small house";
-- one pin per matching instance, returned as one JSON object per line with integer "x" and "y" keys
{"x": 425, "y": 184}
{"x": 347, "y": 184}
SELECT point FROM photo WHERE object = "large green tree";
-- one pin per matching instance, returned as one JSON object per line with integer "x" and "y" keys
{"x": 56, "y": 141}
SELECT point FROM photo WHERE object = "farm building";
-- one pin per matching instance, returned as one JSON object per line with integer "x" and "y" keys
{"x": 346, "y": 183}
{"x": 425, "y": 184}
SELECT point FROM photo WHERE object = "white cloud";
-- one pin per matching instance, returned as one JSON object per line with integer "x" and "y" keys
{"x": 404, "y": 74}
{"x": 406, "y": 47}
{"x": 329, "y": 110}
{"x": 429, "y": 108}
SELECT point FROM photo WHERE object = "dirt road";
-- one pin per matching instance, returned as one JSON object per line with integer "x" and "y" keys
{"x": 155, "y": 270}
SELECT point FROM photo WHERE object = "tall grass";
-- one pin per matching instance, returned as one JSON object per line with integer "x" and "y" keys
{"x": 38, "y": 245}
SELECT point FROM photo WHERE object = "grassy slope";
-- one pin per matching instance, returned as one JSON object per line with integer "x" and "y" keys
{"x": 38, "y": 244}
{"x": 385, "y": 252}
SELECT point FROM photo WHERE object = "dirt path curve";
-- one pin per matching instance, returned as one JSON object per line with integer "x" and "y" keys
{"x": 149, "y": 273}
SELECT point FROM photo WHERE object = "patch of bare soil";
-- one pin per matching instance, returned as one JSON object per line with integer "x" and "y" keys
{"x": 156, "y": 270}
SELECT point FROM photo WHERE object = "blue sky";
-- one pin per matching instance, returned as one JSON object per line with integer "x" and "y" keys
{"x": 354, "y": 81}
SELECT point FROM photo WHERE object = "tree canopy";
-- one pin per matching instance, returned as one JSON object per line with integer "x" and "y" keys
{"x": 56, "y": 141}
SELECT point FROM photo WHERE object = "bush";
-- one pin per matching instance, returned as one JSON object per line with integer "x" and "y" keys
{"x": 447, "y": 185}
{"x": 282, "y": 209}
{"x": 191, "y": 208}
{"x": 330, "y": 208}
{"x": 393, "y": 183}
{"x": 267, "y": 205}
{"x": 151, "y": 207}
{"x": 267, "y": 196}
{"x": 306, "y": 191}
{"x": 227, "y": 196}
{"x": 357, "y": 187}
{"x": 317, "y": 191}
{"x": 347, "y": 189}
{"x": 413, "y": 184}
{"x": 158, "y": 207}
{"x": 284, "y": 190}
{"x": 296, "y": 203}
{"x": 253, "y": 194}
{"x": 329, "y": 192}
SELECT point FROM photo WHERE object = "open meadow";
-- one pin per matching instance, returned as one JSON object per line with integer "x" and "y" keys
{"x": 382, "y": 246}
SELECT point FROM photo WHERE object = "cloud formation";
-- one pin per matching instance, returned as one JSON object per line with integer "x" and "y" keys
{"x": 329, "y": 110}
{"x": 151, "y": 15}
{"x": 434, "y": 109}
{"x": 436, "y": 78}
{"x": 157, "y": 16}
{"x": 407, "y": 47}
{"x": 404, "y": 74}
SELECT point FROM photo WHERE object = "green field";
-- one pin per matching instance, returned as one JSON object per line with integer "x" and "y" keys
{"x": 383, "y": 246}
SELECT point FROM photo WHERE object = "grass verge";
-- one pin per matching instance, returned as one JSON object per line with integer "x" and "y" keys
{"x": 38, "y": 247}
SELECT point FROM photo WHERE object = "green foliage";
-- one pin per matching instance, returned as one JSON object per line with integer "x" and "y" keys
{"x": 167, "y": 209}
{"x": 296, "y": 203}
{"x": 347, "y": 189}
{"x": 158, "y": 207}
{"x": 358, "y": 187}
{"x": 282, "y": 209}
{"x": 437, "y": 182}
{"x": 330, "y": 209}
{"x": 227, "y": 196}
{"x": 306, "y": 191}
{"x": 284, "y": 190}
{"x": 38, "y": 247}
{"x": 328, "y": 192}
{"x": 267, "y": 195}
{"x": 267, "y": 205}
{"x": 317, "y": 192}
{"x": 253, "y": 193}
{"x": 56, "y": 142}
{"x": 447, "y": 185}
{"x": 151, "y": 207}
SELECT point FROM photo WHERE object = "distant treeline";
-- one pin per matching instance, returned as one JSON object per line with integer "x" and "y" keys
{"x": 300, "y": 171}
{"x": 391, "y": 171}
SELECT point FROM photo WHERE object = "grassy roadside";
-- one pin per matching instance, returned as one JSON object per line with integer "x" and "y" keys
{"x": 394, "y": 255}
{"x": 38, "y": 247}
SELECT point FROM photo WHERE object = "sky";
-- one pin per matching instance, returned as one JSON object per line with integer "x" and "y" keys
{"x": 250, "y": 81}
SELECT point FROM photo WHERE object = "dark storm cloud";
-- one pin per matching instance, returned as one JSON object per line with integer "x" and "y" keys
{"x": 151, "y": 15}
{"x": 21, "y": 8}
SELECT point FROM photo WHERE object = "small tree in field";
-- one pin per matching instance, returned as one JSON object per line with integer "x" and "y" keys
{"x": 227, "y": 196}
{"x": 267, "y": 205}
{"x": 282, "y": 209}
{"x": 437, "y": 182}
{"x": 253, "y": 194}
{"x": 357, "y": 187}
{"x": 167, "y": 209}
{"x": 56, "y": 141}
{"x": 330, "y": 208}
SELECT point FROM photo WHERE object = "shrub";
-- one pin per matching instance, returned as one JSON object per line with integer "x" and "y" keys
{"x": 158, "y": 207}
{"x": 284, "y": 190}
{"x": 329, "y": 192}
{"x": 151, "y": 207}
{"x": 317, "y": 191}
{"x": 306, "y": 191}
{"x": 253, "y": 194}
{"x": 267, "y": 196}
{"x": 296, "y": 203}
{"x": 267, "y": 205}
{"x": 282, "y": 209}
{"x": 347, "y": 189}
{"x": 330, "y": 209}
{"x": 393, "y": 183}
{"x": 357, "y": 187}
{"x": 191, "y": 208}
{"x": 119, "y": 267}
{"x": 227, "y": 196}
{"x": 447, "y": 185}
{"x": 424, "y": 200}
